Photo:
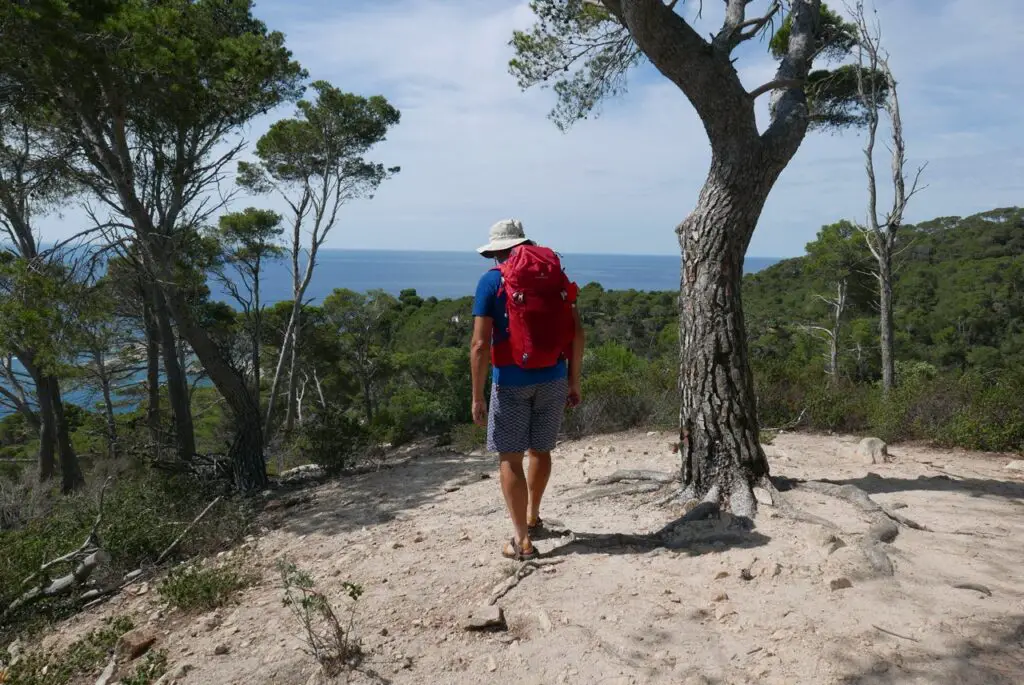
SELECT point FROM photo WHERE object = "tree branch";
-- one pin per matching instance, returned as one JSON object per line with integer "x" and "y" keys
{"x": 777, "y": 84}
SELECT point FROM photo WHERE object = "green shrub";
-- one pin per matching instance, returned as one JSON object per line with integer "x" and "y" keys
{"x": 153, "y": 666}
{"x": 330, "y": 438}
{"x": 467, "y": 437}
{"x": 200, "y": 588}
{"x": 80, "y": 659}
{"x": 142, "y": 515}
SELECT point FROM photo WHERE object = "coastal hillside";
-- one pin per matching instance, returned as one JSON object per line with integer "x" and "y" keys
{"x": 792, "y": 602}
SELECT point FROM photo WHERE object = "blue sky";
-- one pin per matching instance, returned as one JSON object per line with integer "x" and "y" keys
{"x": 474, "y": 149}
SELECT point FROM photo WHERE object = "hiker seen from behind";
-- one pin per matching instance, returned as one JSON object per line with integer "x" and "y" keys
{"x": 527, "y": 329}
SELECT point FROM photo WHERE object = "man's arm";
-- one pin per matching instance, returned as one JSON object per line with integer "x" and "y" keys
{"x": 576, "y": 362}
{"x": 479, "y": 362}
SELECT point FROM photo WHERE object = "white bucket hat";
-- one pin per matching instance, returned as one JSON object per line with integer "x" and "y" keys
{"x": 504, "y": 235}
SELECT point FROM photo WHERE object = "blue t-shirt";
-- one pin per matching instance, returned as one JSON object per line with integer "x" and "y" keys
{"x": 490, "y": 304}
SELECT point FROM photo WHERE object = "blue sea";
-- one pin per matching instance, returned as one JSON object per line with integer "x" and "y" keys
{"x": 454, "y": 274}
{"x": 441, "y": 275}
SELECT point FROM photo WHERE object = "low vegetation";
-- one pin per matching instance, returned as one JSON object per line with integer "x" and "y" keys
{"x": 199, "y": 587}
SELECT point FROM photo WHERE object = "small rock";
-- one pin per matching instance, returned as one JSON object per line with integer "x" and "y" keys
{"x": 721, "y": 574}
{"x": 839, "y": 584}
{"x": 384, "y": 632}
{"x": 763, "y": 497}
{"x": 652, "y": 434}
{"x": 135, "y": 643}
{"x": 720, "y": 597}
{"x": 1016, "y": 465}
{"x": 492, "y": 665}
{"x": 832, "y": 542}
{"x": 419, "y": 538}
{"x": 486, "y": 617}
{"x": 452, "y": 488}
{"x": 723, "y": 612}
{"x": 884, "y": 530}
{"x": 221, "y": 649}
{"x": 545, "y": 621}
{"x": 873, "y": 451}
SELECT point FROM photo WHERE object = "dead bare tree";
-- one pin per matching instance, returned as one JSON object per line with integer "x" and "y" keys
{"x": 877, "y": 90}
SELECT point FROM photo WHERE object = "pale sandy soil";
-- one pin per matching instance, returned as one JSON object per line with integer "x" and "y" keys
{"x": 423, "y": 538}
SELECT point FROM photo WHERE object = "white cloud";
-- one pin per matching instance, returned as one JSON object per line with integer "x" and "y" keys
{"x": 473, "y": 148}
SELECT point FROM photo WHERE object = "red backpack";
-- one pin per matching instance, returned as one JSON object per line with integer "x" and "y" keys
{"x": 539, "y": 298}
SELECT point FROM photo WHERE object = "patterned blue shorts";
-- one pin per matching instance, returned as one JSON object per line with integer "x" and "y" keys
{"x": 526, "y": 417}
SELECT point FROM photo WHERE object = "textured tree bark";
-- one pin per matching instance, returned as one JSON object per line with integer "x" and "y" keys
{"x": 293, "y": 387}
{"x": 177, "y": 382}
{"x": 47, "y": 430}
{"x": 886, "y": 320}
{"x": 70, "y": 469}
{"x": 152, "y": 376}
{"x": 108, "y": 407}
{"x": 719, "y": 436}
{"x": 838, "y": 307}
{"x": 246, "y": 452}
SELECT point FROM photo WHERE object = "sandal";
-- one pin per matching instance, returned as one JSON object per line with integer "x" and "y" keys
{"x": 513, "y": 551}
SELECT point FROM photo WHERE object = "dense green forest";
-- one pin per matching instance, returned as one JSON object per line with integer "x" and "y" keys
{"x": 382, "y": 369}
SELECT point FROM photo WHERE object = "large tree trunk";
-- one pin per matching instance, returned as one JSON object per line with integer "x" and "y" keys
{"x": 70, "y": 470}
{"x": 246, "y": 451}
{"x": 838, "y": 307}
{"x": 885, "y": 320}
{"x": 47, "y": 432}
{"x": 293, "y": 382}
{"x": 152, "y": 377}
{"x": 55, "y": 446}
{"x": 721, "y": 452}
{"x": 108, "y": 406}
{"x": 177, "y": 382}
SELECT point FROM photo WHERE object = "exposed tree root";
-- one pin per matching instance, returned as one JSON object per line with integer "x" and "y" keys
{"x": 640, "y": 475}
{"x": 861, "y": 500}
{"x": 618, "y": 491}
{"x": 974, "y": 586}
{"x": 524, "y": 570}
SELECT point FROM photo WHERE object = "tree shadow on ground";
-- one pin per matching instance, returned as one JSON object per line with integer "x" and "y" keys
{"x": 689, "y": 534}
{"x": 420, "y": 478}
{"x": 874, "y": 484}
{"x": 995, "y": 656}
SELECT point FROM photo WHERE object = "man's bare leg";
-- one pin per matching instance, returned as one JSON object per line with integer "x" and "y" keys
{"x": 514, "y": 487}
{"x": 538, "y": 473}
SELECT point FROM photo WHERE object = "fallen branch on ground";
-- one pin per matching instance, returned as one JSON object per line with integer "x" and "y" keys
{"x": 108, "y": 672}
{"x": 85, "y": 559}
{"x": 94, "y": 597}
{"x": 185, "y": 532}
{"x": 524, "y": 570}
{"x": 789, "y": 426}
{"x": 889, "y": 632}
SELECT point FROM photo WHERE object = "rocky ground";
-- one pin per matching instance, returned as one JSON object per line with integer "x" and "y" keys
{"x": 790, "y": 602}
